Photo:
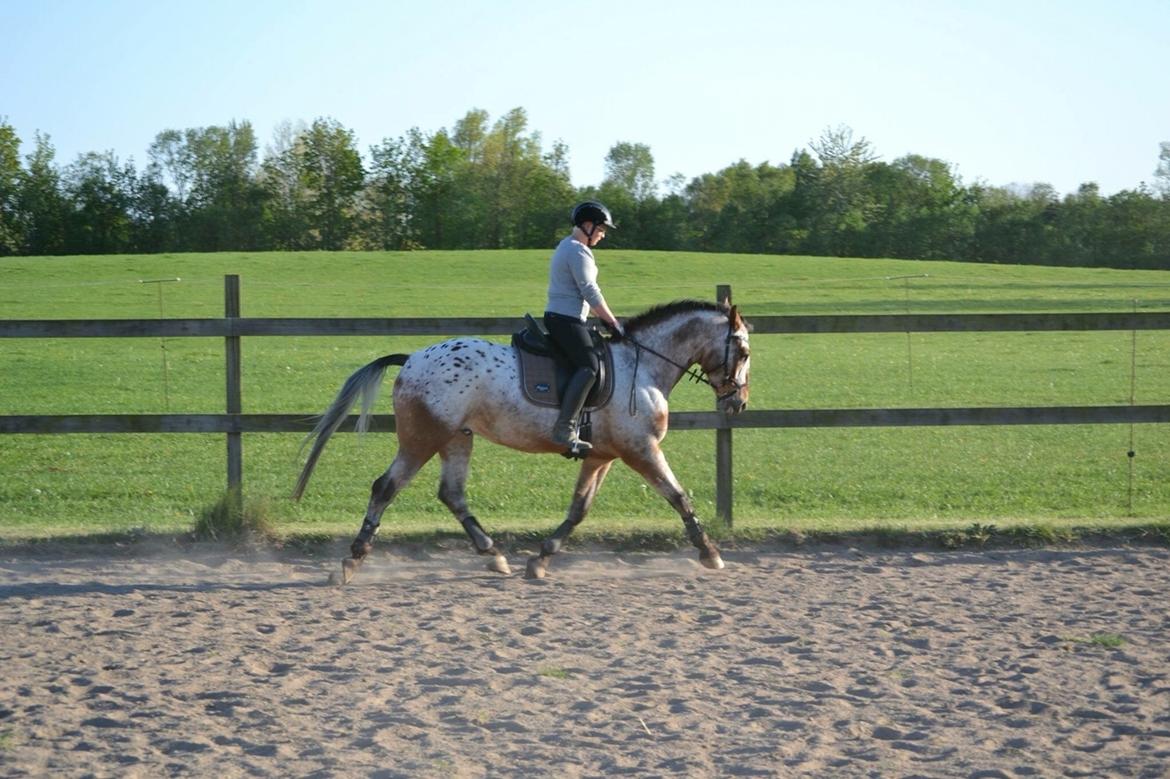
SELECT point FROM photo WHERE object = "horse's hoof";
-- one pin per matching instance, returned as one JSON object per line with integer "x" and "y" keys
{"x": 714, "y": 562}
{"x": 537, "y": 568}
{"x": 349, "y": 568}
{"x": 499, "y": 564}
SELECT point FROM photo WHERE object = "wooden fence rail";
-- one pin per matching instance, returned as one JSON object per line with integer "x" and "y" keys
{"x": 766, "y": 325}
{"x": 679, "y": 420}
{"x": 233, "y": 327}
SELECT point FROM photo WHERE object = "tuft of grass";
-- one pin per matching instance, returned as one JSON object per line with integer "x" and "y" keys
{"x": 236, "y": 520}
{"x": 1107, "y": 640}
{"x": 1044, "y": 534}
{"x": 977, "y": 534}
{"x": 1104, "y": 640}
{"x": 1157, "y": 531}
{"x": 553, "y": 672}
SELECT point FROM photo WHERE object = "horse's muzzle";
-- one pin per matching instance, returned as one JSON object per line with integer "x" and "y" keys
{"x": 733, "y": 403}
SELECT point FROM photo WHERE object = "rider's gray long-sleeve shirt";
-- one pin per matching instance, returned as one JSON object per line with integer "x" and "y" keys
{"x": 572, "y": 280}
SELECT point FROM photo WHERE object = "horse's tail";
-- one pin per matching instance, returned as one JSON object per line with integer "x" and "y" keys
{"x": 364, "y": 384}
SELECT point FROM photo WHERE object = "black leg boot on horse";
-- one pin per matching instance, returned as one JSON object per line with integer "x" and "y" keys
{"x": 566, "y": 431}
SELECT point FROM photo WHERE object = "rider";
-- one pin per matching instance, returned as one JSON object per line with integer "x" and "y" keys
{"x": 572, "y": 294}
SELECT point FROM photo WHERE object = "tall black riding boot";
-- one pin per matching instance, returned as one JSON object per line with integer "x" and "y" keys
{"x": 565, "y": 430}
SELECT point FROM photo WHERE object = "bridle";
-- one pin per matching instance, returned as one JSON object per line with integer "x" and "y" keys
{"x": 696, "y": 374}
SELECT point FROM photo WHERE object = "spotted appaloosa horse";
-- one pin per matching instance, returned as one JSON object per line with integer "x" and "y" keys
{"x": 450, "y": 392}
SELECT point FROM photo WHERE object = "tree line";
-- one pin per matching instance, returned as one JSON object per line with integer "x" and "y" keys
{"x": 491, "y": 185}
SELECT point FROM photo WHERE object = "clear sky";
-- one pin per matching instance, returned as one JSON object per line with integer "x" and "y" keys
{"x": 1008, "y": 91}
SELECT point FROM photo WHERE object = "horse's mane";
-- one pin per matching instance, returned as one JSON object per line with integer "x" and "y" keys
{"x": 653, "y": 316}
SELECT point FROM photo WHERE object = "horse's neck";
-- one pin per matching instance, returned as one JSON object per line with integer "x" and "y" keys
{"x": 684, "y": 341}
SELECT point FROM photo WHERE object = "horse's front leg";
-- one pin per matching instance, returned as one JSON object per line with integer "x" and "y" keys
{"x": 655, "y": 470}
{"x": 593, "y": 471}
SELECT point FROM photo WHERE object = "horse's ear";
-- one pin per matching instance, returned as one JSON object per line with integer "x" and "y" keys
{"x": 737, "y": 321}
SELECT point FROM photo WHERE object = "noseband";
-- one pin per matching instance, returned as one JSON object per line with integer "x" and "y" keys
{"x": 699, "y": 374}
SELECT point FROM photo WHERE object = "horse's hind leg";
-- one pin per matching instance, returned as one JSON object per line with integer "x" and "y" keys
{"x": 405, "y": 466}
{"x": 593, "y": 471}
{"x": 456, "y": 457}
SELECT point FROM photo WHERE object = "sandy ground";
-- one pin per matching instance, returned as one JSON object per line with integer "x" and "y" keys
{"x": 820, "y": 662}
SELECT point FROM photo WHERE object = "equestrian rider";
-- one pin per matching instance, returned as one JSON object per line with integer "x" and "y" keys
{"x": 572, "y": 294}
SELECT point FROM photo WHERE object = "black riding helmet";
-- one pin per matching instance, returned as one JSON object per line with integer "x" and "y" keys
{"x": 592, "y": 211}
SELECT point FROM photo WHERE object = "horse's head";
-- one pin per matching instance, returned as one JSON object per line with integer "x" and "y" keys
{"x": 731, "y": 377}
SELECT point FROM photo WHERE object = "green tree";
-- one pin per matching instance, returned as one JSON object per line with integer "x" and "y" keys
{"x": 332, "y": 175}
{"x": 214, "y": 199}
{"x": 517, "y": 188}
{"x": 1136, "y": 231}
{"x": 547, "y": 196}
{"x": 154, "y": 214}
{"x": 801, "y": 205}
{"x": 99, "y": 191}
{"x": 499, "y": 179}
{"x": 1162, "y": 172}
{"x": 665, "y": 223}
{"x": 744, "y": 208}
{"x": 1014, "y": 226}
{"x": 42, "y": 204}
{"x": 388, "y": 206}
{"x": 629, "y": 190}
{"x": 629, "y": 167}
{"x": 470, "y": 135}
{"x": 843, "y": 200}
{"x": 165, "y": 193}
{"x": 11, "y": 229}
{"x": 285, "y": 212}
{"x": 171, "y": 159}
{"x": 1079, "y": 225}
{"x": 225, "y": 201}
{"x": 436, "y": 192}
{"x": 920, "y": 210}
{"x": 482, "y": 186}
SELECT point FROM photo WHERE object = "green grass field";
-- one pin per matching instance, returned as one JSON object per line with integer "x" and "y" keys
{"x": 887, "y": 480}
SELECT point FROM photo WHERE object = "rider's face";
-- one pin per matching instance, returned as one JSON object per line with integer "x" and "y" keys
{"x": 598, "y": 234}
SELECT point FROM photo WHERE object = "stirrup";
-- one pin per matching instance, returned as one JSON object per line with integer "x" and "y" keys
{"x": 578, "y": 450}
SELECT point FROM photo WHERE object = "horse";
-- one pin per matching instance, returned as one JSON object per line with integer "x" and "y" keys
{"x": 448, "y": 393}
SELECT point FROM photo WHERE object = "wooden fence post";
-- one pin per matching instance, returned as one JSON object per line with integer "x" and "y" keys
{"x": 235, "y": 444}
{"x": 723, "y": 477}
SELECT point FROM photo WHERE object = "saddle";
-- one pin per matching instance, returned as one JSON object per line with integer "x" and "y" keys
{"x": 545, "y": 370}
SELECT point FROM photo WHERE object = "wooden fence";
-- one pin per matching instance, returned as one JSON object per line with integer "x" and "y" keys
{"x": 234, "y": 423}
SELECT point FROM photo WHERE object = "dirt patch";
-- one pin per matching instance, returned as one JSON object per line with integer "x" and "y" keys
{"x": 818, "y": 662}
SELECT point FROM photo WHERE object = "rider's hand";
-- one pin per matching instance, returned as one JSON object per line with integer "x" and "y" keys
{"x": 616, "y": 331}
